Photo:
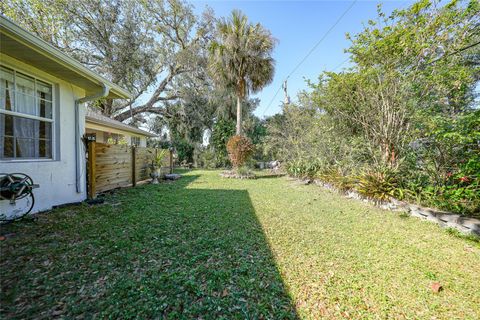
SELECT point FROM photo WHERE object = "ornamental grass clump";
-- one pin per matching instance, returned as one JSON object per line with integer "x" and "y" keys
{"x": 380, "y": 184}
{"x": 337, "y": 178}
{"x": 240, "y": 149}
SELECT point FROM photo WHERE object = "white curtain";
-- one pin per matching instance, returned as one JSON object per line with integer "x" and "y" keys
{"x": 26, "y": 131}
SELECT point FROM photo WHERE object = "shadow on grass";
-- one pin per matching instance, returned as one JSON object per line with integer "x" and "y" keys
{"x": 270, "y": 176}
{"x": 155, "y": 251}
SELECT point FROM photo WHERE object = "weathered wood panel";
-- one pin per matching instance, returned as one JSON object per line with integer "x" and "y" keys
{"x": 91, "y": 185}
{"x": 115, "y": 166}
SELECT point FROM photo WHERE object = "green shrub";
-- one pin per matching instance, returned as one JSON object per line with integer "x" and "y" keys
{"x": 222, "y": 131}
{"x": 460, "y": 198}
{"x": 303, "y": 169}
{"x": 421, "y": 123}
{"x": 184, "y": 150}
{"x": 244, "y": 171}
{"x": 207, "y": 159}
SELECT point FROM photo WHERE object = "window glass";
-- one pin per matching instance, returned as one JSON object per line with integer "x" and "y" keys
{"x": 25, "y": 138}
{"x": 45, "y": 149}
{"x": 25, "y": 104}
{"x": 25, "y": 84}
{"x": 24, "y": 147}
{"x": 7, "y": 147}
{"x": 7, "y": 92}
{"x": 7, "y": 99}
{"x": 44, "y": 108}
{"x": 44, "y": 91}
{"x": 135, "y": 141}
{"x": 6, "y": 78}
{"x": 20, "y": 136}
{"x": 45, "y": 130}
{"x": 6, "y": 125}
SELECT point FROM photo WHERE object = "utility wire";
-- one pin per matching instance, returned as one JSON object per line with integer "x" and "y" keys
{"x": 271, "y": 101}
{"x": 323, "y": 38}
{"x": 341, "y": 64}
{"x": 311, "y": 51}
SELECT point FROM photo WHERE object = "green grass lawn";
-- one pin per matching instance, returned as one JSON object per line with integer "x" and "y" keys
{"x": 210, "y": 248}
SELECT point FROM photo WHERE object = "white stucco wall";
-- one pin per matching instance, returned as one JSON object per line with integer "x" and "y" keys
{"x": 56, "y": 177}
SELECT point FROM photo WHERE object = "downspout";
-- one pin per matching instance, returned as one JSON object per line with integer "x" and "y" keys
{"x": 78, "y": 102}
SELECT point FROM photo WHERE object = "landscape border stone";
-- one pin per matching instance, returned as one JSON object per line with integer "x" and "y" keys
{"x": 444, "y": 219}
{"x": 234, "y": 175}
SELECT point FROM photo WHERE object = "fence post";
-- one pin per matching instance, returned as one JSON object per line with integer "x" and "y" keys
{"x": 92, "y": 190}
{"x": 171, "y": 161}
{"x": 134, "y": 178}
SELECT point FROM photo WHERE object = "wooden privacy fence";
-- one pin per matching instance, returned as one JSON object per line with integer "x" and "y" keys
{"x": 113, "y": 166}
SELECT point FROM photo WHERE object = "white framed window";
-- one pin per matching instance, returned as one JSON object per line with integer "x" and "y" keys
{"x": 26, "y": 116}
{"x": 135, "y": 141}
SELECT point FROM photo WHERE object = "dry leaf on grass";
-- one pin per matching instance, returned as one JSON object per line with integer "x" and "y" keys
{"x": 436, "y": 287}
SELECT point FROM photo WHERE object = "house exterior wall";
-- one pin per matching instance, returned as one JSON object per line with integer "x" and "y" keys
{"x": 56, "y": 177}
{"x": 99, "y": 135}
{"x": 101, "y": 132}
{"x": 143, "y": 142}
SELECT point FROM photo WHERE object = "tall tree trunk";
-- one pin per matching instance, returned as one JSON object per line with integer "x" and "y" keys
{"x": 239, "y": 116}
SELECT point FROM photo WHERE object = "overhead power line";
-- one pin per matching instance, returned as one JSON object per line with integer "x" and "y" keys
{"x": 321, "y": 39}
{"x": 340, "y": 64}
{"x": 311, "y": 51}
{"x": 273, "y": 99}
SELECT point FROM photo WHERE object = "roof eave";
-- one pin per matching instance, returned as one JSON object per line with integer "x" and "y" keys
{"x": 120, "y": 127}
{"x": 47, "y": 50}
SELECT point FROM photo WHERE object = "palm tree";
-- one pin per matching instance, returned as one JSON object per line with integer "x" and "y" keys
{"x": 241, "y": 59}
